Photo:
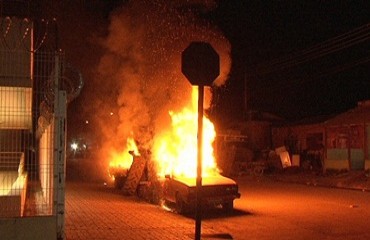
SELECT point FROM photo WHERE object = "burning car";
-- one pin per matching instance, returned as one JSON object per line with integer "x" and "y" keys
{"x": 173, "y": 150}
{"x": 217, "y": 190}
{"x": 119, "y": 175}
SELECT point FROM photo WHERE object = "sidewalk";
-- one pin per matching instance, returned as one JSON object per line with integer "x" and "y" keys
{"x": 356, "y": 180}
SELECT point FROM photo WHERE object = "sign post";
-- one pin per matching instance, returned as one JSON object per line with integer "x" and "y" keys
{"x": 201, "y": 66}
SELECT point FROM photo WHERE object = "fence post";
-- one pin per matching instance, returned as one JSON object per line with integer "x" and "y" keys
{"x": 60, "y": 113}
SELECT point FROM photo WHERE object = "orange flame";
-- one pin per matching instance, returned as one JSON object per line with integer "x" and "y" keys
{"x": 176, "y": 149}
{"x": 124, "y": 159}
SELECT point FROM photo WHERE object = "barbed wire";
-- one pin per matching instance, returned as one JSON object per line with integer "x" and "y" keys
{"x": 15, "y": 32}
{"x": 38, "y": 42}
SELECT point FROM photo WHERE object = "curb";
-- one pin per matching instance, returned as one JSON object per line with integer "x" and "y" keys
{"x": 338, "y": 185}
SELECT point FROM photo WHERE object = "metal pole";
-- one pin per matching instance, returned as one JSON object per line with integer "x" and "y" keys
{"x": 198, "y": 220}
{"x": 60, "y": 115}
{"x": 245, "y": 114}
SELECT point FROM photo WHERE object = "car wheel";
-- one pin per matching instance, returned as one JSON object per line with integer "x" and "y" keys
{"x": 228, "y": 206}
{"x": 180, "y": 204}
{"x": 118, "y": 182}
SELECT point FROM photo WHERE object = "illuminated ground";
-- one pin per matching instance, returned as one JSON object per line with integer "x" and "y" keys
{"x": 270, "y": 208}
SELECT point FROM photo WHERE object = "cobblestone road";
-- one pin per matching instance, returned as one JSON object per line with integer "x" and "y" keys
{"x": 95, "y": 212}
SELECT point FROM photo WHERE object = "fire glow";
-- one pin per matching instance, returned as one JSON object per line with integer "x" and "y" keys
{"x": 176, "y": 149}
{"x": 124, "y": 159}
{"x": 156, "y": 106}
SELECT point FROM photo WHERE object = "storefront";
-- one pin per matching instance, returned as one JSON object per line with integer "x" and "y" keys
{"x": 348, "y": 139}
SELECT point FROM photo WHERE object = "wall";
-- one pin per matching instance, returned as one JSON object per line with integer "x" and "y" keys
{"x": 346, "y": 147}
{"x": 258, "y": 133}
{"x": 16, "y": 74}
{"x": 299, "y": 132}
{"x": 46, "y": 157}
{"x": 29, "y": 228}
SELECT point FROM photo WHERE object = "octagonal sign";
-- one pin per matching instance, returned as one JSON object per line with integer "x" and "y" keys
{"x": 200, "y": 63}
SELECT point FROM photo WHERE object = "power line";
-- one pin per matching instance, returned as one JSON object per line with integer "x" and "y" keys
{"x": 292, "y": 82}
{"x": 335, "y": 44}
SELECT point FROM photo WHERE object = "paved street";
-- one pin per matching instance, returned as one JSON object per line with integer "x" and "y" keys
{"x": 268, "y": 209}
{"x": 94, "y": 211}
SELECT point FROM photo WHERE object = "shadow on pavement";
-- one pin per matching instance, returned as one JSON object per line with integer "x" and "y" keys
{"x": 218, "y": 214}
{"x": 215, "y": 236}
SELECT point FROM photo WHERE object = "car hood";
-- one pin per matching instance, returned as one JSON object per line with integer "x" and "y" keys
{"x": 206, "y": 181}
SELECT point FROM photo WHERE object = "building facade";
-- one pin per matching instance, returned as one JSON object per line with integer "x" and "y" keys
{"x": 341, "y": 142}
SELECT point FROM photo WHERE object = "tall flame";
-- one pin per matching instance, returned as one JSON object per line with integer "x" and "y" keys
{"x": 124, "y": 159}
{"x": 142, "y": 62}
{"x": 175, "y": 150}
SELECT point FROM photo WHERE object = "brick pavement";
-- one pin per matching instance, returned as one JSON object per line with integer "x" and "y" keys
{"x": 94, "y": 211}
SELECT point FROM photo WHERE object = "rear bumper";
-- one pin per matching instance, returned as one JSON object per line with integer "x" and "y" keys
{"x": 214, "y": 199}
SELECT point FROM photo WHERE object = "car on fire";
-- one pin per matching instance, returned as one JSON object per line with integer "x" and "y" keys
{"x": 217, "y": 191}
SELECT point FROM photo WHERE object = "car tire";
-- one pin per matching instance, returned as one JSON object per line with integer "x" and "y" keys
{"x": 228, "y": 206}
{"x": 119, "y": 181}
{"x": 181, "y": 206}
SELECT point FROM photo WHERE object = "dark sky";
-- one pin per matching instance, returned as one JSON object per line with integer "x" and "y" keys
{"x": 295, "y": 56}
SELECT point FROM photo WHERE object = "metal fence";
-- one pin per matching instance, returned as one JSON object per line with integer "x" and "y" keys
{"x": 32, "y": 124}
{"x": 32, "y": 135}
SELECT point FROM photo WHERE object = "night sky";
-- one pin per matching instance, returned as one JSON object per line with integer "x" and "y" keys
{"x": 299, "y": 59}
{"x": 296, "y": 59}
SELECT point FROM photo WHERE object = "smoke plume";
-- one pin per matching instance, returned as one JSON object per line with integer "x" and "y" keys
{"x": 142, "y": 64}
